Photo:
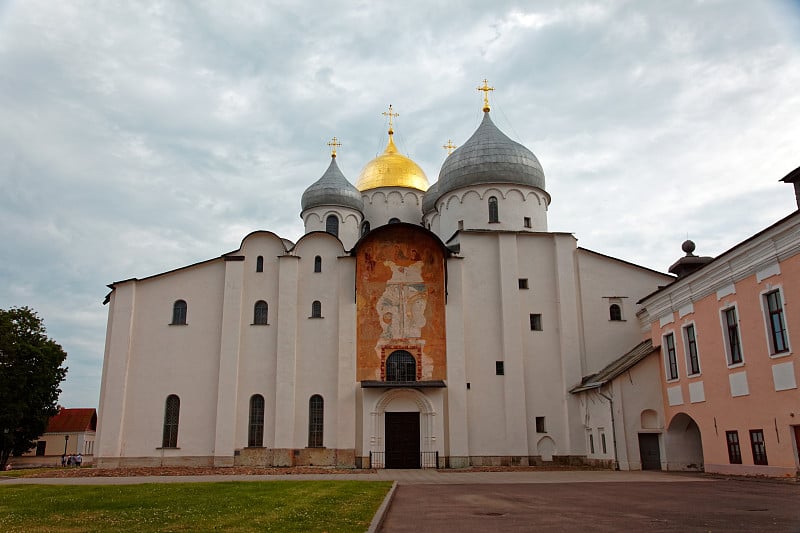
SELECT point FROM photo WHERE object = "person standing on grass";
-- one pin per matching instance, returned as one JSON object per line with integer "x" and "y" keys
{"x": 78, "y": 460}
{"x": 63, "y": 460}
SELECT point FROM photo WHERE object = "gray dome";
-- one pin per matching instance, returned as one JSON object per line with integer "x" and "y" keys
{"x": 489, "y": 156}
{"x": 332, "y": 189}
{"x": 429, "y": 199}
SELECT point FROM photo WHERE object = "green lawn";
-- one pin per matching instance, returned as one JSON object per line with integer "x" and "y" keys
{"x": 303, "y": 506}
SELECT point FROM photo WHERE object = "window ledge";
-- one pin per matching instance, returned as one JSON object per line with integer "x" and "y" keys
{"x": 254, "y": 324}
{"x": 673, "y": 380}
{"x": 316, "y": 317}
{"x": 735, "y": 365}
{"x": 780, "y": 354}
{"x": 620, "y": 320}
{"x": 168, "y": 448}
{"x": 175, "y": 324}
{"x": 693, "y": 376}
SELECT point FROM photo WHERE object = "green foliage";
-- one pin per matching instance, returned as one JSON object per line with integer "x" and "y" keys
{"x": 283, "y": 506}
{"x": 30, "y": 374}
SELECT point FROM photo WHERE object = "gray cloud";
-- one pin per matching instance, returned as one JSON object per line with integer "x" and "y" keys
{"x": 140, "y": 137}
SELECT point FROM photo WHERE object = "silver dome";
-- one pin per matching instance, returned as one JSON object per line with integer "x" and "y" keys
{"x": 332, "y": 189}
{"x": 429, "y": 199}
{"x": 489, "y": 156}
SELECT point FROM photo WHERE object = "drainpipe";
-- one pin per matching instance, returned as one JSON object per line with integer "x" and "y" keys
{"x": 613, "y": 427}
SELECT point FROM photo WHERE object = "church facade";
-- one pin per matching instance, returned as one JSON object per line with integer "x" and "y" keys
{"x": 412, "y": 325}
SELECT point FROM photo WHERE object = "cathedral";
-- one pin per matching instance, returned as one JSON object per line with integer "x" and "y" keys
{"x": 413, "y": 325}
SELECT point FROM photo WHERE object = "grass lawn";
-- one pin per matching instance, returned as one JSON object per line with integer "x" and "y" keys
{"x": 302, "y": 506}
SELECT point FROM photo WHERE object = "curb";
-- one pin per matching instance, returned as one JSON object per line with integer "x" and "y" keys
{"x": 380, "y": 514}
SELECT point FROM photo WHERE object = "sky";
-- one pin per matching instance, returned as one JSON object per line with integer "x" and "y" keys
{"x": 138, "y": 137}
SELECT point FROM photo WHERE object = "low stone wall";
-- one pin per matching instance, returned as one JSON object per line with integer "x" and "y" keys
{"x": 340, "y": 458}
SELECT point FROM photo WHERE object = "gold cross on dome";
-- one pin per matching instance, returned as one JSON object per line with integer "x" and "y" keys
{"x": 486, "y": 90}
{"x": 449, "y": 146}
{"x": 334, "y": 144}
{"x": 391, "y": 114}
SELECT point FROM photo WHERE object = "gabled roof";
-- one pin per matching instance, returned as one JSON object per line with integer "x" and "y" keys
{"x": 73, "y": 420}
{"x": 616, "y": 368}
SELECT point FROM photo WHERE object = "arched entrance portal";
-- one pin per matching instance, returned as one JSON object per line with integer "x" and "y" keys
{"x": 402, "y": 427}
{"x": 684, "y": 445}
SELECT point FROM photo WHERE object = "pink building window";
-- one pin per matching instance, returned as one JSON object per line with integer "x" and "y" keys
{"x": 733, "y": 343}
{"x": 671, "y": 359}
{"x": 692, "y": 360}
{"x": 777, "y": 325}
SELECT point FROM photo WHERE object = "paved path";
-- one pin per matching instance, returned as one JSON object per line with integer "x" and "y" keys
{"x": 403, "y": 477}
{"x": 718, "y": 505}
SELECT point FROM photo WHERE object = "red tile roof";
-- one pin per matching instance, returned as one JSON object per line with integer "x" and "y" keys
{"x": 73, "y": 420}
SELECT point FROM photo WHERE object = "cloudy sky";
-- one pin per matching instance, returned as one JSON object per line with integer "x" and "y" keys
{"x": 137, "y": 137}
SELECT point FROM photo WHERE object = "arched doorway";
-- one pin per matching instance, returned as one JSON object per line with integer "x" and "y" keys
{"x": 684, "y": 444}
{"x": 402, "y": 428}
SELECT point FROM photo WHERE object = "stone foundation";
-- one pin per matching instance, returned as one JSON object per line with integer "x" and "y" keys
{"x": 135, "y": 462}
{"x": 287, "y": 457}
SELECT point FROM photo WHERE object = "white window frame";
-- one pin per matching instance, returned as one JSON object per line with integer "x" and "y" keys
{"x": 723, "y": 322}
{"x": 768, "y": 322}
{"x": 686, "y": 351}
{"x": 665, "y": 352}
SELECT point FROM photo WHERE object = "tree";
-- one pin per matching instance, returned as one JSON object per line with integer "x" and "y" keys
{"x": 30, "y": 375}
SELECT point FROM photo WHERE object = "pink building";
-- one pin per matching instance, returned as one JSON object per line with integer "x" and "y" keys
{"x": 729, "y": 371}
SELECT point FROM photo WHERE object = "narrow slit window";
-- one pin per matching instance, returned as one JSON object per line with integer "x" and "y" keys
{"x": 171, "y": 418}
{"x": 494, "y": 215}
{"x": 499, "y": 368}
{"x": 317, "y": 264}
{"x": 255, "y": 432}
{"x": 260, "y": 263}
{"x": 332, "y": 225}
{"x": 614, "y": 312}
{"x": 536, "y": 322}
{"x": 260, "y": 313}
{"x": 316, "y": 416}
{"x": 179, "y": 309}
{"x": 316, "y": 309}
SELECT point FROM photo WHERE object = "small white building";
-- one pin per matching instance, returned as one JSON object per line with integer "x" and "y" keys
{"x": 410, "y": 326}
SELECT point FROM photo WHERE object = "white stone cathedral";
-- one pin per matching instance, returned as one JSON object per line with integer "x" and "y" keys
{"x": 410, "y": 326}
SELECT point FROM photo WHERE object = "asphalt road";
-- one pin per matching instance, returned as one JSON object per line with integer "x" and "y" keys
{"x": 713, "y": 506}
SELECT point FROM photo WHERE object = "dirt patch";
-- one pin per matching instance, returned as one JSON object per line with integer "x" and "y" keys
{"x": 188, "y": 471}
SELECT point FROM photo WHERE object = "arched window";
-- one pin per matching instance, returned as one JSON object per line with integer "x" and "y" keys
{"x": 171, "y": 416}
{"x": 316, "y": 412}
{"x": 260, "y": 263}
{"x": 179, "y": 312}
{"x": 255, "y": 432}
{"x": 494, "y": 216}
{"x": 401, "y": 366}
{"x": 317, "y": 264}
{"x": 332, "y": 225}
{"x": 394, "y": 220}
{"x": 316, "y": 309}
{"x": 615, "y": 312}
{"x": 260, "y": 313}
{"x": 365, "y": 228}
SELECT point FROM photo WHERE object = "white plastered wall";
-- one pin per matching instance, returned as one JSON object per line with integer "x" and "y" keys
{"x": 470, "y": 206}
{"x": 384, "y": 203}
{"x": 350, "y": 220}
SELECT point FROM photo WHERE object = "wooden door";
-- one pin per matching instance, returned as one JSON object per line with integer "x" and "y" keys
{"x": 402, "y": 440}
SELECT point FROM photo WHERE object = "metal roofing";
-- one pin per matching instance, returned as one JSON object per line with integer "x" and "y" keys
{"x": 616, "y": 368}
{"x": 489, "y": 156}
{"x": 73, "y": 420}
{"x": 332, "y": 189}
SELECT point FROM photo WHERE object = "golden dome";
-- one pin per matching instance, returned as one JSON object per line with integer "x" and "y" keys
{"x": 391, "y": 169}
